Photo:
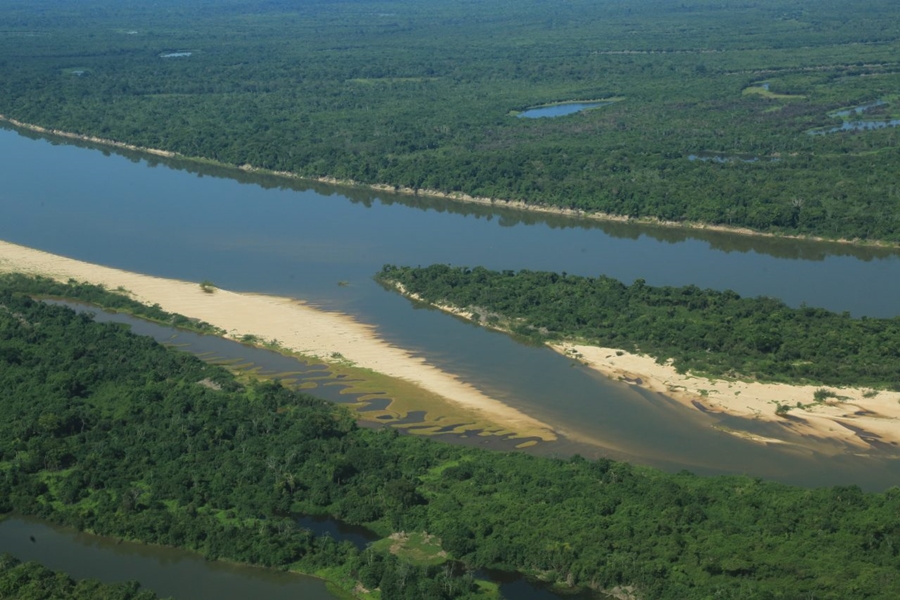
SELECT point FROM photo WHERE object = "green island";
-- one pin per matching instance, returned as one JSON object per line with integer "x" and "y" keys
{"x": 31, "y": 580}
{"x": 115, "y": 434}
{"x": 776, "y": 116}
{"x": 719, "y": 334}
{"x": 772, "y": 117}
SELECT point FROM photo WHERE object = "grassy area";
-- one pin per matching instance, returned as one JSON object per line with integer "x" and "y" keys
{"x": 419, "y": 548}
{"x": 766, "y": 93}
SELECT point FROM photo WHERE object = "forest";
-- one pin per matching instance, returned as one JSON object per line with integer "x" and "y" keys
{"x": 725, "y": 111}
{"x": 31, "y": 580}
{"x": 96, "y": 295}
{"x": 112, "y": 433}
{"x": 704, "y": 331}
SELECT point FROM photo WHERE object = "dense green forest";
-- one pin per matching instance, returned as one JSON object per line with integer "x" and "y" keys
{"x": 719, "y": 98}
{"x": 113, "y": 433}
{"x": 31, "y": 580}
{"x": 99, "y": 296}
{"x": 705, "y": 331}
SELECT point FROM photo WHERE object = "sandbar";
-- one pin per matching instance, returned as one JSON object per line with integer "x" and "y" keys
{"x": 861, "y": 418}
{"x": 297, "y": 326}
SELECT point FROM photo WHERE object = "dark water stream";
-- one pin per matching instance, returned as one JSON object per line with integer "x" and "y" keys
{"x": 184, "y": 575}
{"x": 169, "y": 572}
{"x": 247, "y": 232}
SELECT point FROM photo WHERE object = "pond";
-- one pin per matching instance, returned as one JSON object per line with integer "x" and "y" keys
{"x": 848, "y": 125}
{"x": 559, "y": 110}
{"x": 858, "y": 110}
{"x": 856, "y": 126}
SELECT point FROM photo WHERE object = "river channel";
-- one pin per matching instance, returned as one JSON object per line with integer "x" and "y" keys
{"x": 169, "y": 572}
{"x": 270, "y": 235}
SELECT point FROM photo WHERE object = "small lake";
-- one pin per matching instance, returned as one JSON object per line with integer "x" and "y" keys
{"x": 338, "y": 530}
{"x": 857, "y": 126}
{"x": 848, "y": 125}
{"x": 169, "y": 572}
{"x": 559, "y": 110}
{"x": 856, "y": 110}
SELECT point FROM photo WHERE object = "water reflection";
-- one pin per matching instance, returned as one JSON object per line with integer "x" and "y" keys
{"x": 170, "y": 572}
{"x": 849, "y": 125}
{"x": 282, "y": 237}
{"x": 559, "y": 110}
{"x": 498, "y": 211}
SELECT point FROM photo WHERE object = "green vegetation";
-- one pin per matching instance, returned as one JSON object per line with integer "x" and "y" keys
{"x": 31, "y": 580}
{"x": 418, "y": 547}
{"x": 705, "y": 331}
{"x": 97, "y": 295}
{"x": 419, "y": 95}
{"x": 113, "y": 433}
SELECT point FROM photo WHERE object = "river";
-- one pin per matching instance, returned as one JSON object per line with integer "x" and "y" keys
{"x": 169, "y": 572}
{"x": 263, "y": 234}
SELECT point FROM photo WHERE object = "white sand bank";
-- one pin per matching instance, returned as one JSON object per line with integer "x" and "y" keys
{"x": 851, "y": 418}
{"x": 295, "y": 325}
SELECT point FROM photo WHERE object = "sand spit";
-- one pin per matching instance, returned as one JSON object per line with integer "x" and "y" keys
{"x": 457, "y": 196}
{"x": 862, "y": 418}
{"x": 296, "y": 326}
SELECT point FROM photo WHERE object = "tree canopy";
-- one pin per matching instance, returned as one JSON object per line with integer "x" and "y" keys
{"x": 113, "y": 433}
{"x": 710, "y": 332}
{"x": 717, "y": 99}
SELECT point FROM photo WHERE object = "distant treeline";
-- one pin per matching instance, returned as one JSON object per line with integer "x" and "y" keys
{"x": 705, "y": 331}
{"x": 113, "y": 433}
{"x": 31, "y": 580}
{"x": 421, "y": 95}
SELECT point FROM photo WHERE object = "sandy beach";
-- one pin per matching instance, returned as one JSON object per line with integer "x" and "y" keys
{"x": 296, "y": 326}
{"x": 860, "y": 417}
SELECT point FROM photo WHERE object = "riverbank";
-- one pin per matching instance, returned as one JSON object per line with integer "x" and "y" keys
{"x": 862, "y": 419}
{"x": 169, "y": 571}
{"x": 296, "y": 326}
{"x": 454, "y": 196}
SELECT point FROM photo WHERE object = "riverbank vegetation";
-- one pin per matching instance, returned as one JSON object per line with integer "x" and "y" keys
{"x": 113, "y": 433}
{"x": 703, "y": 331}
{"x": 97, "y": 295}
{"x": 420, "y": 96}
{"x": 31, "y": 580}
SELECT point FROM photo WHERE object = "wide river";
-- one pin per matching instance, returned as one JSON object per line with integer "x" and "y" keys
{"x": 262, "y": 234}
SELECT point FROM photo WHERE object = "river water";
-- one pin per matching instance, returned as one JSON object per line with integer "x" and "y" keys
{"x": 169, "y": 572}
{"x": 256, "y": 233}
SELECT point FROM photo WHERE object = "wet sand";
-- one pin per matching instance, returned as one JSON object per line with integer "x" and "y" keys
{"x": 859, "y": 417}
{"x": 296, "y": 326}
